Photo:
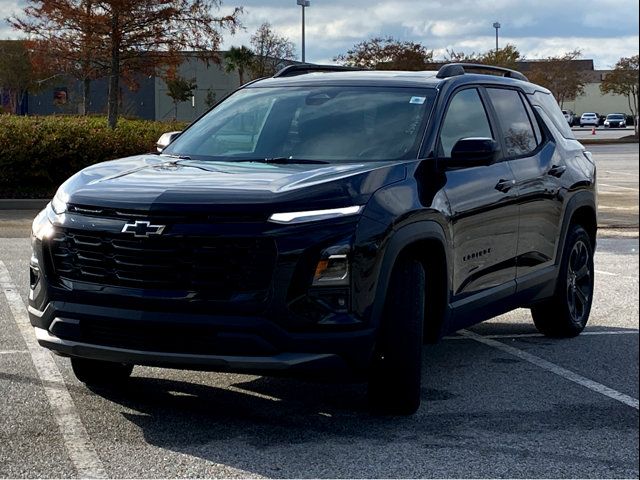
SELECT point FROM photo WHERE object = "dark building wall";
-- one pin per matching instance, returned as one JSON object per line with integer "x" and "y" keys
{"x": 138, "y": 104}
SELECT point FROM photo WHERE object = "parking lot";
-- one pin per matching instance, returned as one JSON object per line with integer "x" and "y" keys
{"x": 498, "y": 401}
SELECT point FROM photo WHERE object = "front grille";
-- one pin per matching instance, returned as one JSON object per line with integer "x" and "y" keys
{"x": 219, "y": 268}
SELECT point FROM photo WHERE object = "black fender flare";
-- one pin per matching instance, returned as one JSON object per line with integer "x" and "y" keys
{"x": 583, "y": 198}
{"x": 398, "y": 241}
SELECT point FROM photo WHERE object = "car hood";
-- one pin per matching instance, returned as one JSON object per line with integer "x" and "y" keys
{"x": 153, "y": 182}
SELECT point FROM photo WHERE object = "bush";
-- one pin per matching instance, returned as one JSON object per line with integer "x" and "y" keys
{"x": 39, "y": 153}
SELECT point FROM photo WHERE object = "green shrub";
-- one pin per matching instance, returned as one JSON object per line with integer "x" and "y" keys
{"x": 39, "y": 153}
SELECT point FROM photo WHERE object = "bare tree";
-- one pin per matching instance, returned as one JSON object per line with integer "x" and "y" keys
{"x": 270, "y": 51}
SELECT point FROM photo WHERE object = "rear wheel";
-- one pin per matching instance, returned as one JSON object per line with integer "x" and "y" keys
{"x": 99, "y": 372}
{"x": 395, "y": 373}
{"x": 567, "y": 312}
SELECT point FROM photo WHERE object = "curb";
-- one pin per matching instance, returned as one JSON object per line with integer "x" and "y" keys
{"x": 23, "y": 203}
{"x": 606, "y": 141}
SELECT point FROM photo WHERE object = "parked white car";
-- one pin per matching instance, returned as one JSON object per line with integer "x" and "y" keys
{"x": 589, "y": 119}
{"x": 569, "y": 116}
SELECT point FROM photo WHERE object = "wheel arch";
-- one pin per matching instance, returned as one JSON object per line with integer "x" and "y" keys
{"x": 581, "y": 209}
{"x": 426, "y": 242}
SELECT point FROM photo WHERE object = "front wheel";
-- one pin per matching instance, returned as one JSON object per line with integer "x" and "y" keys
{"x": 567, "y": 312}
{"x": 99, "y": 372}
{"x": 395, "y": 372}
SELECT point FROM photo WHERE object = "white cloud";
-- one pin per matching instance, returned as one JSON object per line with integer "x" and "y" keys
{"x": 604, "y": 30}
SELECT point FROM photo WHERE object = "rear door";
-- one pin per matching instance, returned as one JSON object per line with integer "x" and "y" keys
{"x": 537, "y": 168}
{"x": 482, "y": 205}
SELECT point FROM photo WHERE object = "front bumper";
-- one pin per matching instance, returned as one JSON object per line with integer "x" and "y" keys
{"x": 284, "y": 362}
{"x": 195, "y": 341}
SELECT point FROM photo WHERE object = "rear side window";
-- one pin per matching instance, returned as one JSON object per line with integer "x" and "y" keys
{"x": 551, "y": 108}
{"x": 516, "y": 128}
{"x": 465, "y": 118}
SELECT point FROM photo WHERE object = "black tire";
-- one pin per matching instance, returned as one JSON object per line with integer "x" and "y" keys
{"x": 567, "y": 312}
{"x": 395, "y": 372}
{"x": 100, "y": 373}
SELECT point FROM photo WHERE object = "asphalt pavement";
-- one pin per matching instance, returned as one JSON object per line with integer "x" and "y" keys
{"x": 498, "y": 401}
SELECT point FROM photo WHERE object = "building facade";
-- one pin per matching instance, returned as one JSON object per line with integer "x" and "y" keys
{"x": 150, "y": 100}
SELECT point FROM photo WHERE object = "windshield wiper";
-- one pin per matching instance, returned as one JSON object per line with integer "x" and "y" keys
{"x": 178, "y": 157}
{"x": 283, "y": 160}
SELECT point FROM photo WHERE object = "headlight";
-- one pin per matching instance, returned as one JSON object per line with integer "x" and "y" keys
{"x": 314, "y": 215}
{"x": 42, "y": 227}
{"x": 58, "y": 204}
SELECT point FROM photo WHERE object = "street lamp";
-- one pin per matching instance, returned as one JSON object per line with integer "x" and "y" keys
{"x": 304, "y": 4}
{"x": 496, "y": 25}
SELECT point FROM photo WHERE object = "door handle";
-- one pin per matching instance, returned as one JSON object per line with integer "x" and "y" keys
{"x": 557, "y": 170}
{"x": 505, "y": 185}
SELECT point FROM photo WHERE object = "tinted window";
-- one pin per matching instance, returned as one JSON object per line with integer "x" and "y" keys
{"x": 551, "y": 108}
{"x": 323, "y": 123}
{"x": 515, "y": 126}
{"x": 532, "y": 117}
{"x": 465, "y": 118}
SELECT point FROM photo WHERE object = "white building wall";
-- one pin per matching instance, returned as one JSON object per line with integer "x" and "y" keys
{"x": 594, "y": 101}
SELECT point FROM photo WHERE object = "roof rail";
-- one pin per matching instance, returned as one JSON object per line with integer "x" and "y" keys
{"x": 454, "y": 69}
{"x": 302, "y": 68}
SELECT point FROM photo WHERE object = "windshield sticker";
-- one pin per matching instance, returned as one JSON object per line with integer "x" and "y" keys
{"x": 417, "y": 100}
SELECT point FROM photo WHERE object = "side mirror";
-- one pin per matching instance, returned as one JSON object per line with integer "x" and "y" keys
{"x": 165, "y": 139}
{"x": 474, "y": 152}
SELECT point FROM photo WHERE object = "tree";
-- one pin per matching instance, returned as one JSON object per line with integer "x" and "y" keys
{"x": 65, "y": 38}
{"x": 180, "y": 90}
{"x": 451, "y": 56}
{"x": 210, "y": 99}
{"x": 16, "y": 73}
{"x": 240, "y": 59}
{"x": 270, "y": 51}
{"x": 506, "y": 57}
{"x": 387, "y": 54}
{"x": 623, "y": 80}
{"x": 131, "y": 37}
{"x": 560, "y": 74}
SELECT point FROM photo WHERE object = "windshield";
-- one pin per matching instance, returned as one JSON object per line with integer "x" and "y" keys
{"x": 615, "y": 117}
{"x": 312, "y": 123}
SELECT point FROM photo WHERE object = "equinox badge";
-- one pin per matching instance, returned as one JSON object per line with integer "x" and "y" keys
{"x": 143, "y": 228}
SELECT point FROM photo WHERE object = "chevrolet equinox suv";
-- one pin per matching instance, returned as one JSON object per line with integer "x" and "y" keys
{"x": 323, "y": 220}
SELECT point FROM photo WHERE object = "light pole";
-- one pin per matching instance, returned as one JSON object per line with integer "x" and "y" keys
{"x": 304, "y": 4}
{"x": 496, "y": 25}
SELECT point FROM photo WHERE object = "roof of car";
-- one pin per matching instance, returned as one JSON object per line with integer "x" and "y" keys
{"x": 385, "y": 77}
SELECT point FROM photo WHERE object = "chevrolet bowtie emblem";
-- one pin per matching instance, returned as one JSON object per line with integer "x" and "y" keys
{"x": 143, "y": 228}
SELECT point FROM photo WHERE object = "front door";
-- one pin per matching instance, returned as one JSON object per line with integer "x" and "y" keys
{"x": 483, "y": 208}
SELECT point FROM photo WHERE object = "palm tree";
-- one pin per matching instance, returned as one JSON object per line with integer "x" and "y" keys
{"x": 238, "y": 58}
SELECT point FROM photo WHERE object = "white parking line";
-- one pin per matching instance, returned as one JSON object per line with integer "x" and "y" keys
{"x": 611, "y": 274}
{"x": 621, "y": 173}
{"x": 618, "y": 187}
{"x": 539, "y": 335}
{"x": 74, "y": 435}
{"x": 553, "y": 368}
{"x": 607, "y": 207}
{"x": 12, "y": 352}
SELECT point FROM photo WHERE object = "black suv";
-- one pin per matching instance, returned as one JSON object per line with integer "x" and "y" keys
{"x": 324, "y": 220}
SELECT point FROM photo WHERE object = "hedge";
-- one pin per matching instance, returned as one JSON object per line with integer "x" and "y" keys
{"x": 39, "y": 153}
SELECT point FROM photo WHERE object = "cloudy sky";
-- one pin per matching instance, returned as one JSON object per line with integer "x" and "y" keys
{"x": 604, "y": 30}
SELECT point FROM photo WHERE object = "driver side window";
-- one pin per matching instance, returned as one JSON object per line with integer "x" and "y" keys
{"x": 465, "y": 118}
